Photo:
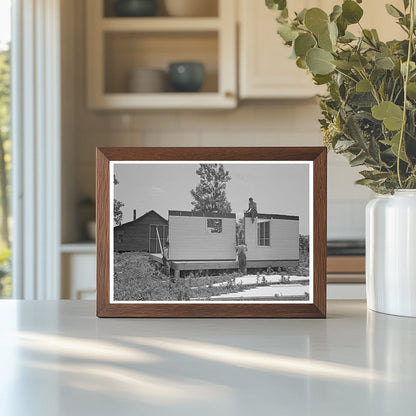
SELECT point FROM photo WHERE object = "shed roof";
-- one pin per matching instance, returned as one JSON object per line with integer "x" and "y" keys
{"x": 141, "y": 218}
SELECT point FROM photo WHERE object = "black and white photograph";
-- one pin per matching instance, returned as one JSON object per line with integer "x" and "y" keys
{"x": 211, "y": 232}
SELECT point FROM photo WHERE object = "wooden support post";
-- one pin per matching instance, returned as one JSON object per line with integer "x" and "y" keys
{"x": 160, "y": 243}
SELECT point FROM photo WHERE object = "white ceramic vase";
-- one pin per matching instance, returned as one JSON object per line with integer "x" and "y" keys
{"x": 391, "y": 253}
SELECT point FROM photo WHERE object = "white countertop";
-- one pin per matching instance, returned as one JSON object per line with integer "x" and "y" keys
{"x": 57, "y": 358}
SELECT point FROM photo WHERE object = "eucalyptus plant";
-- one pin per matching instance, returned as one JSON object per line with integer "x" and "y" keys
{"x": 369, "y": 112}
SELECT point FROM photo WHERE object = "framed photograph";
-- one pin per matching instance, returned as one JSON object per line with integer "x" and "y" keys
{"x": 211, "y": 232}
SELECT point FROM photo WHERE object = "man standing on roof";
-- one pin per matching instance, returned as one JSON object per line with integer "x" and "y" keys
{"x": 252, "y": 209}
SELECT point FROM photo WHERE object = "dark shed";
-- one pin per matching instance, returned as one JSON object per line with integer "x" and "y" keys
{"x": 142, "y": 234}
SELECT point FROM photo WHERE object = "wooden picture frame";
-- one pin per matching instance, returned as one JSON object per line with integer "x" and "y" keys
{"x": 314, "y": 157}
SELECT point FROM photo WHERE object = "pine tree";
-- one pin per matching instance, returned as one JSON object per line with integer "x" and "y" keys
{"x": 118, "y": 213}
{"x": 209, "y": 195}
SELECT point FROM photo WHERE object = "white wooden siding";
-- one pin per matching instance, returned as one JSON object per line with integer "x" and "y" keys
{"x": 189, "y": 239}
{"x": 284, "y": 241}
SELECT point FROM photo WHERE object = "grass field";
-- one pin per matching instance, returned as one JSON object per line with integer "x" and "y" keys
{"x": 138, "y": 278}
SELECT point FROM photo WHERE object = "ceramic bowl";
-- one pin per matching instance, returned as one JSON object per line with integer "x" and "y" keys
{"x": 135, "y": 8}
{"x": 186, "y": 76}
{"x": 147, "y": 80}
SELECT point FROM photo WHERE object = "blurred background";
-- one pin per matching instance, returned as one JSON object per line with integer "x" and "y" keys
{"x": 96, "y": 73}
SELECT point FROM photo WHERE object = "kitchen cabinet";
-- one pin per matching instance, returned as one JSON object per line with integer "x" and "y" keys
{"x": 78, "y": 263}
{"x": 118, "y": 45}
{"x": 265, "y": 70}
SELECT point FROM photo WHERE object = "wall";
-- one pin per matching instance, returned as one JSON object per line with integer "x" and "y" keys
{"x": 254, "y": 123}
{"x": 284, "y": 240}
{"x": 189, "y": 239}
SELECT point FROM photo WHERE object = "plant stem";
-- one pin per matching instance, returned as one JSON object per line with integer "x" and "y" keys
{"x": 405, "y": 81}
{"x": 373, "y": 88}
{"x": 346, "y": 75}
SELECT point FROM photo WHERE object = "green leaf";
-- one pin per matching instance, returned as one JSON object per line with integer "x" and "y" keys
{"x": 343, "y": 145}
{"x": 301, "y": 15}
{"x": 319, "y": 61}
{"x": 365, "y": 182}
{"x": 353, "y": 131}
{"x": 412, "y": 67}
{"x": 368, "y": 36}
{"x": 342, "y": 25}
{"x": 301, "y": 63}
{"x": 316, "y": 20}
{"x": 351, "y": 11}
{"x": 270, "y": 4}
{"x": 374, "y": 151}
{"x": 411, "y": 123}
{"x": 393, "y": 11}
{"x": 333, "y": 32}
{"x": 394, "y": 145}
{"x": 347, "y": 37}
{"x": 303, "y": 43}
{"x": 363, "y": 86}
{"x": 358, "y": 160}
{"x": 276, "y": 4}
{"x": 282, "y": 4}
{"x": 336, "y": 12}
{"x": 321, "y": 79}
{"x": 388, "y": 112}
{"x": 358, "y": 61}
{"x": 382, "y": 89}
{"x": 325, "y": 42}
{"x": 287, "y": 33}
{"x": 374, "y": 174}
{"x": 377, "y": 75}
{"x": 396, "y": 70}
{"x": 411, "y": 90}
{"x": 362, "y": 99}
{"x": 344, "y": 65}
{"x": 375, "y": 35}
{"x": 282, "y": 20}
{"x": 384, "y": 62}
{"x": 405, "y": 21}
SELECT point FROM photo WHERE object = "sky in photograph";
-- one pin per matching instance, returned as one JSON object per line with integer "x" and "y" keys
{"x": 276, "y": 188}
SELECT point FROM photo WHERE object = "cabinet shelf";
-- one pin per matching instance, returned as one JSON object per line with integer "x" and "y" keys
{"x": 160, "y": 24}
{"x": 80, "y": 247}
{"x": 198, "y": 100}
{"x": 116, "y": 46}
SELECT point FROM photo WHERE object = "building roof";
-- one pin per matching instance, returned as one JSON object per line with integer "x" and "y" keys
{"x": 140, "y": 218}
{"x": 199, "y": 214}
{"x": 231, "y": 215}
{"x": 275, "y": 217}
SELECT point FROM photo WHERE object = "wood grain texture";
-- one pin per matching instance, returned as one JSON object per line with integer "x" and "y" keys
{"x": 103, "y": 231}
{"x": 317, "y": 309}
{"x": 319, "y": 229}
